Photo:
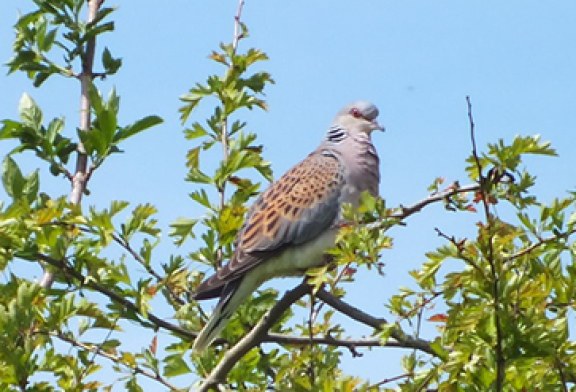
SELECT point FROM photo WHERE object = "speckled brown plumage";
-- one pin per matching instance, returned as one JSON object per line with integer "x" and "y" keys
{"x": 302, "y": 203}
{"x": 295, "y": 220}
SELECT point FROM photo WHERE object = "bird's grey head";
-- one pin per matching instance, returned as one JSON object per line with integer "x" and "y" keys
{"x": 359, "y": 116}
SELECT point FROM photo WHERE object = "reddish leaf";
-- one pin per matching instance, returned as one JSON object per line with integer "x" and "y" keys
{"x": 349, "y": 271}
{"x": 151, "y": 290}
{"x": 154, "y": 345}
{"x": 438, "y": 318}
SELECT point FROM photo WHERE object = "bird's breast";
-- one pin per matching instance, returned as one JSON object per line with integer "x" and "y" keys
{"x": 295, "y": 259}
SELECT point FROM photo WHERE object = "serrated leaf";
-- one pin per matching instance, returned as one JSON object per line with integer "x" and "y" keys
{"x": 30, "y": 113}
{"x": 174, "y": 366}
{"x": 182, "y": 229}
{"x": 111, "y": 64}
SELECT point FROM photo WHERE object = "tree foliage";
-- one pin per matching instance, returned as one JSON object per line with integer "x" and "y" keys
{"x": 505, "y": 295}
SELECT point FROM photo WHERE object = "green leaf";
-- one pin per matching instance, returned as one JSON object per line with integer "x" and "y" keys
{"x": 97, "y": 30}
{"x": 195, "y": 132}
{"x": 12, "y": 178}
{"x": 174, "y": 366}
{"x": 182, "y": 229}
{"x": 48, "y": 40}
{"x": 137, "y": 127}
{"x": 30, "y": 113}
{"x": 111, "y": 64}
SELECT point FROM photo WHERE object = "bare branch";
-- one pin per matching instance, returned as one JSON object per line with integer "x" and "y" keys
{"x": 389, "y": 380}
{"x": 328, "y": 341}
{"x": 374, "y": 322}
{"x": 453, "y": 190}
{"x": 252, "y": 338}
{"x": 238, "y": 35}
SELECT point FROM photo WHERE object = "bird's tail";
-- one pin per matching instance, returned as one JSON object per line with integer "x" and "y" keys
{"x": 232, "y": 296}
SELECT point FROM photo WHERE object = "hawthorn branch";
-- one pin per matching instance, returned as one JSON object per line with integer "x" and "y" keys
{"x": 329, "y": 341}
{"x": 96, "y": 350}
{"x": 499, "y": 351}
{"x": 389, "y": 380}
{"x": 115, "y": 297}
{"x": 253, "y": 338}
{"x": 80, "y": 177}
{"x": 541, "y": 241}
{"x": 259, "y": 333}
{"x": 224, "y": 134}
{"x": 354, "y": 313}
{"x": 453, "y": 190}
{"x": 126, "y": 245}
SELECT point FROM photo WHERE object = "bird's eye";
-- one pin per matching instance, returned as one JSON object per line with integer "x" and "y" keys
{"x": 355, "y": 112}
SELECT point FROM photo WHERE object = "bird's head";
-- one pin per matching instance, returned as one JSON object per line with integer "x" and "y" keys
{"x": 359, "y": 116}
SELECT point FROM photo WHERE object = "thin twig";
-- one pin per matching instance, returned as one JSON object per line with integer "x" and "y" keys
{"x": 459, "y": 245}
{"x": 126, "y": 245}
{"x": 329, "y": 341}
{"x": 499, "y": 352}
{"x": 224, "y": 137}
{"x": 537, "y": 244}
{"x": 405, "y": 212}
{"x": 96, "y": 350}
{"x": 238, "y": 35}
{"x": 117, "y": 298}
{"x": 389, "y": 380}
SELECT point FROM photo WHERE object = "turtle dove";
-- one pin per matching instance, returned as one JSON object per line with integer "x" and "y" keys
{"x": 295, "y": 220}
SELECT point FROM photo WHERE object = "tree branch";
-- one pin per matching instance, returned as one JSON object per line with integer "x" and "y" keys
{"x": 80, "y": 178}
{"x": 541, "y": 241}
{"x": 499, "y": 351}
{"x": 329, "y": 341}
{"x": 118, "y": 360}
{"x": 374, "y": 322}
{"x": 117, "y": 298}
{"x": 126, "y": 245}
{"x": 252, "y": 338}
{"x": 453, "y": 190}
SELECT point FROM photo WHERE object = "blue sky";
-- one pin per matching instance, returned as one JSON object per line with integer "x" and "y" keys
{"x": 417, "y": 60}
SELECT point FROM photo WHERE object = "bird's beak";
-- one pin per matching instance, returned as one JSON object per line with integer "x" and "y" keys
{"x": 377, "y": 126}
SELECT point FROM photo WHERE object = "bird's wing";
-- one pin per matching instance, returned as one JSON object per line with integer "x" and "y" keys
{"x": 302, "y": 204}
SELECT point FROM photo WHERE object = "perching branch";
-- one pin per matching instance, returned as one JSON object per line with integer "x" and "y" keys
{"x": 259, "y": 333}
{"x": 253, "y": 338}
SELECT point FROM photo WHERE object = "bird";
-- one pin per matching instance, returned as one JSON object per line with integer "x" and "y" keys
{"x": 292, "y": 223}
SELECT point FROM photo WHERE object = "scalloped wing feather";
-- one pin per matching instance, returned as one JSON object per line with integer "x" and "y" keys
{"x": 298, "y": 207}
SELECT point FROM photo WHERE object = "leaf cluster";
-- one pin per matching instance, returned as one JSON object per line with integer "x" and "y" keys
{"x": 59, "y": 24}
